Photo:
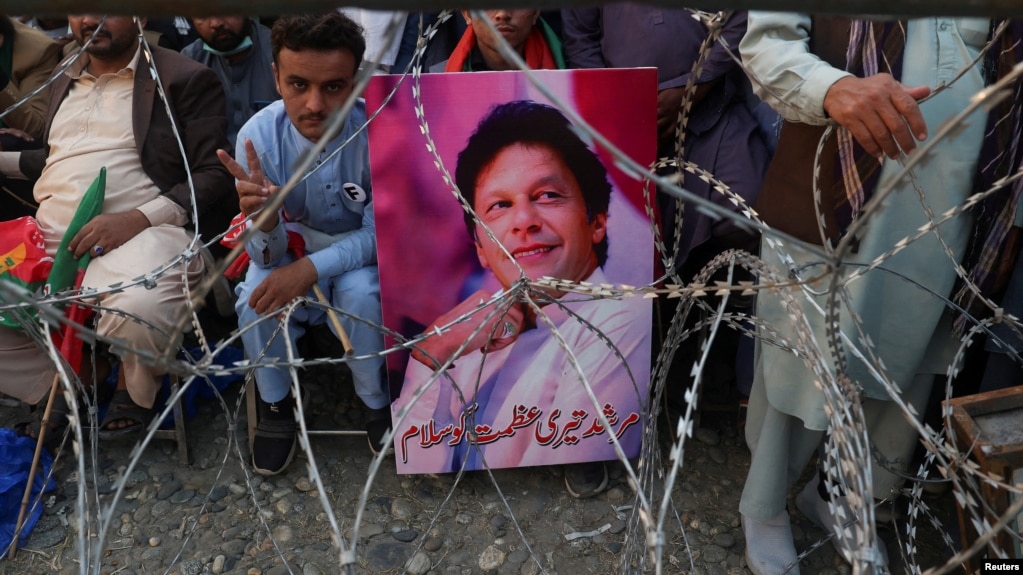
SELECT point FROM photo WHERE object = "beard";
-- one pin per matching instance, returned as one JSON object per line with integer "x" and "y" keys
{"x": 225, "y": 40}
{"x": 114, "y": 46}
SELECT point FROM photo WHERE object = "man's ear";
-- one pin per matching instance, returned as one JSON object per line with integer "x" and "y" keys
{"x": 484, "y": 262}
{"x": 599, "y": 228}
{"x": 277, "y": 78}
{"x": 467, "y": 16}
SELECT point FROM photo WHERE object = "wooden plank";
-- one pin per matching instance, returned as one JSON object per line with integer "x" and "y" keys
{"x": 267, "y": 7}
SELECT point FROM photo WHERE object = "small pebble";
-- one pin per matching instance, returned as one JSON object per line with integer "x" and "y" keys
{"x": 491, "y": 558}
{"x": 432, "y": 543}
{"x": 218, "y": 493}
{"x": 419, "y": 564}
{"x": 518, "y": 556}
{"x": 405, "y": 535}
{"x": 707, "y": 436}
{"x": 283, "y": 533}
{"x": 725, "y": 540}
{"x": 168, "y": 489}
{"x": 714, "y": 554}
{"x": 370, "y": 530}
{"x": 154, "y": 541}
{"x": 182, "y": 496}
{"x": 616, "y": 495}
{"x": 400, "y": 509}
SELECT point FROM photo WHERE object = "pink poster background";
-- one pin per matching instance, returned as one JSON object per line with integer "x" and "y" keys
{"x": 426, "y": 257}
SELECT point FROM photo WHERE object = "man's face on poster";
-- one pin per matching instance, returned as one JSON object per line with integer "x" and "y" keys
{"x": 532, "y": 201}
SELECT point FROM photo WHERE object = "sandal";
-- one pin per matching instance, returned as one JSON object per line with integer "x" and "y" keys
{"x": 122, "y": 408}
{"x": 56, "y": 426}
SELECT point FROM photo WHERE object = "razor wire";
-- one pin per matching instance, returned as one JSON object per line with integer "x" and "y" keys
{"x": 654, "y": 476}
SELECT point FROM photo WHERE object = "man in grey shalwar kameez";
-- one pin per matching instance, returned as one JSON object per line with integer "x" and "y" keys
{"x": 798, "y": 64}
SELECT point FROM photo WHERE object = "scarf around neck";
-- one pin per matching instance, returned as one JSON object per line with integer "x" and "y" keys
{"x": 542, "y": 50}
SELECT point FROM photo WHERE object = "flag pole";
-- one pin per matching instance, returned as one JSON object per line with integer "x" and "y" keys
{"x": 54, "y": 390}
{"x": 341, "y": 334}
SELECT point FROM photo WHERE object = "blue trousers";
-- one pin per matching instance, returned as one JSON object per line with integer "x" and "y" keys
{"x": 357, "y": 293}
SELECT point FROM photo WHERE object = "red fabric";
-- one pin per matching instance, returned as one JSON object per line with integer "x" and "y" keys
{"x": 296, "y": 245}
{"x": 23, "y": 253}
{"x": 536, "y": 52}
{"x": 71, "y": 346}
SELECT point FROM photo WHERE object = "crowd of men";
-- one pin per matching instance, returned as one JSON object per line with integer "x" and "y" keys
{"x": 249, "y": 99}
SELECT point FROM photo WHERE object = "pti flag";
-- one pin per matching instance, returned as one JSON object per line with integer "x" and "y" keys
{"x": 67, "y": 271}
{"x": 23, "y": 261}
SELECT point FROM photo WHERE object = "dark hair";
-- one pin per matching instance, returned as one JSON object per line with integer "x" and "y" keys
{"x": 323, "y": 31}
{"x": 531, "y": 123}
{"x": 6, "y": 26}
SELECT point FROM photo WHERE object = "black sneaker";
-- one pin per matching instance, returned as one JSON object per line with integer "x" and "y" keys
{"x": 585, "y": 479}
{"x": 274, "y": 444}
{"x": 378, "y": 424}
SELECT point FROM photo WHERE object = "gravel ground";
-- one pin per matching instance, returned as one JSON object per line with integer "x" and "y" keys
{"x": 215, "y": 517}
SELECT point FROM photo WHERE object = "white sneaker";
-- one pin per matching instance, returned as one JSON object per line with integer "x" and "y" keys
{"x": 769, "y": 546}
{"x": 816, "y": 509}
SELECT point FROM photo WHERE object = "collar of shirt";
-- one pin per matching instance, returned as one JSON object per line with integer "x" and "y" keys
{"x": 78, "y": 70}
{"x": 476, "y": 61}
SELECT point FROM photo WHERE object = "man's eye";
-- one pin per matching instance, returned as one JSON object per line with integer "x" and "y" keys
{"x": 499, "y": 206}
{"x": 334, "y": 88}
{"x": 298, "y": 85}
{"x": 550, "y": 195}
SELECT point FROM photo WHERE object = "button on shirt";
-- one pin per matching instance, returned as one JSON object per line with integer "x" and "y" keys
{"x": 335, "y": 199}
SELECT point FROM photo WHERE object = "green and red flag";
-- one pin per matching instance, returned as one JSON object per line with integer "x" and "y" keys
{"x": 23, "y": 261}
{"x": 69, "y": 272}
{"x": 23, "y": 258}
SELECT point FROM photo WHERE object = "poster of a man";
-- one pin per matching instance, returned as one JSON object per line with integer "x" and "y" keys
{"x": 502, "y": 377}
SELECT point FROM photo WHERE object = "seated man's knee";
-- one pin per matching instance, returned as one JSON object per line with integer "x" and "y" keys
{"x": 253, "y": 277}
{"x": 246, "y": 315}
{"x": 360, "y": 283}
{"x": 131, "y": 316}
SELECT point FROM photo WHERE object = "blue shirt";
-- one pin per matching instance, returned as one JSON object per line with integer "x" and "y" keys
{"x": 335, "y": 200}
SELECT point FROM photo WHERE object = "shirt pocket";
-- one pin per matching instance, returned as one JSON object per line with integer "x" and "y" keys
{"x": 974, "y": 31}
